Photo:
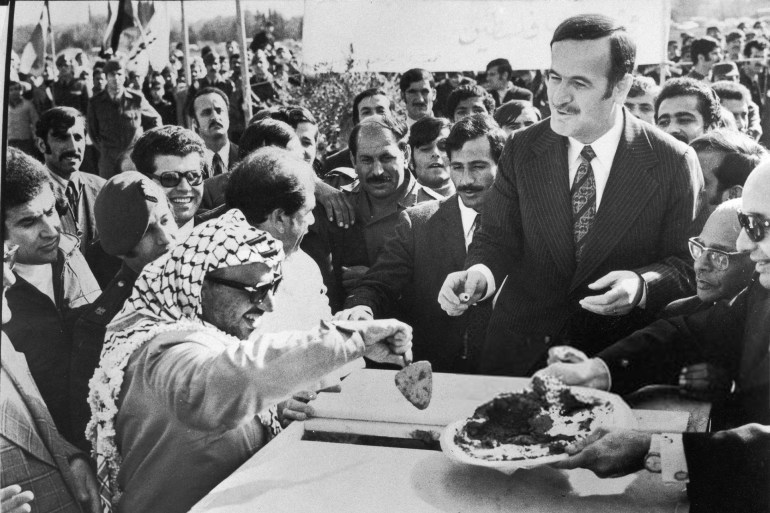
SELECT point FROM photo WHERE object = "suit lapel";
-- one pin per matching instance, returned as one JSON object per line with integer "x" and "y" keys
{"x": 628, "y": 189}
{"x": 14, "y": 427}
{"x": 546, "y": 185}
{"x": 451, "y": 231}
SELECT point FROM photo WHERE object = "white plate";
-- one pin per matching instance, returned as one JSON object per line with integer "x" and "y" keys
{"x": 622, "y": 417}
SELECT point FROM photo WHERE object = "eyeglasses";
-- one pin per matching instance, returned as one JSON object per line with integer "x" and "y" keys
{"x": 716, "y": 257}
{"x": 9, "y": 257}
{"x": 172, "y": 178}
{"x": 754, "y": 225}
{"x": 257, "y": 294}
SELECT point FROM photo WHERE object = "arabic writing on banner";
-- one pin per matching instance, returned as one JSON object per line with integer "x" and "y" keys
{"x": 462, "y": 35}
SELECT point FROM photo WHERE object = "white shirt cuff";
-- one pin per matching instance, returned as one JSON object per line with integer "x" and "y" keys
{"x": 484, "y": 270}
{"x": 607, "y": 373}
{"x": 672, "y": 459}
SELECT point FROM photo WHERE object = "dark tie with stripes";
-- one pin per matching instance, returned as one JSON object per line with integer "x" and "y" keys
{"x": 218, "y": 164}
{"x": 73, "y": 199}
{"x": 583, "y": 200}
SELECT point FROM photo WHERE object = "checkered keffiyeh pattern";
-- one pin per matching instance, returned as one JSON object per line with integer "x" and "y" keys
{"x": 166, "y": 297}
{"x": 583, "y": 200}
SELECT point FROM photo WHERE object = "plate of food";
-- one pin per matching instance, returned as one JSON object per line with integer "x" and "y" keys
{"x": 532, "y": 427}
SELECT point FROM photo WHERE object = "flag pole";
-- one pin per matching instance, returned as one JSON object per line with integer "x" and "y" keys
{"x": 245, "y": 86}
{"x": 186, "y": 45}
{"x": 50, "y": 34}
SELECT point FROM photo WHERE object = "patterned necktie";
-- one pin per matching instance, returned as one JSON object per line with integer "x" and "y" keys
{"x": 72, "y": 199}
{"x": 583, "y": 200}
{"x": 219, "y": 166}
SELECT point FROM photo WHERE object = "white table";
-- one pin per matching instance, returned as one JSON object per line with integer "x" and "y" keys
{"x": 291, "y": 474}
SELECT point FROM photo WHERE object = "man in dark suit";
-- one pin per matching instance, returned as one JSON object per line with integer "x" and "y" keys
{"x": 589, "y": 262}
{"x": 39, "y": 467}
{"x": 60, "y": 136}
{"x": 430, "y": 241}
{"x": 499, "y": 83}
{"x": 728, "y": 470}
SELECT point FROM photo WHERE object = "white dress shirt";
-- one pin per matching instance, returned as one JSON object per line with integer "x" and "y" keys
{"x": 468, "y": 217}
{"x": 605, "y": 148}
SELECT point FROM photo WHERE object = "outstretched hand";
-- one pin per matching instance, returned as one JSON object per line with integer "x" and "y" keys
{"x": 461, "y": 290}
{"x": 608, "y": 453}
{"x": 624, "y": 291}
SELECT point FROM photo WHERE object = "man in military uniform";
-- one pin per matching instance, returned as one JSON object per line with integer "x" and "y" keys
{"x": 385, "y": 187}
{"x": 117, "y": 117}
{"x": 69, "y": 91}
{"x": 137, "y": 225}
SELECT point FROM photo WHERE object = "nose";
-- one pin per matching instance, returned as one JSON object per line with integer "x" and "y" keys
{"x": 744, "y": 243}
{"x": 560, "y": 95}
{"x": 702, "y": 263}
{"x": 377, "y": 169}
{"x": 183, "y": 185}
{"x": 165, "y": 237}
{"x": 739, "y": 123}
{"x": 52, "y": 227}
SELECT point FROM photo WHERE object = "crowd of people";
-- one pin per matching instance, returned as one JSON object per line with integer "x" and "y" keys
{"x": 179, "y": 282}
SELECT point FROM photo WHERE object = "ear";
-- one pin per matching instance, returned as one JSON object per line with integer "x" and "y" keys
{"x": 736, "y": 191}
{"x": 403, "y": 96}
{"x": 279, "y": 219}
{"x": 407, "y": 154}
{"x": 40, "y": 145}
{"x": 623, "y": 87}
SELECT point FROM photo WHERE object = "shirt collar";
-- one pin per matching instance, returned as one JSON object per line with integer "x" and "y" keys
{"x": 605, "y": 146}
{"x": 467, "y": 215}
{"x": 61, "y": 183}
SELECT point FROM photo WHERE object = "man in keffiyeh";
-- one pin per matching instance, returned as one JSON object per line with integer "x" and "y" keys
{"x": 181, "y": 395}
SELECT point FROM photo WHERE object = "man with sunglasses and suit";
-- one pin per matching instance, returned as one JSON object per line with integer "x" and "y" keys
{"x": 729, "y": 470}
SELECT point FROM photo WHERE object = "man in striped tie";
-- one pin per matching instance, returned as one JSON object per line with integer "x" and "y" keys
{"x": 588, "y": 217}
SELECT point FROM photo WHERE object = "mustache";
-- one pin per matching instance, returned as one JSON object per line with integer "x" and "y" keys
{"x": 378, "y": 179}
{"x": 470, "y": 188}
{"x": 68, "y": 154}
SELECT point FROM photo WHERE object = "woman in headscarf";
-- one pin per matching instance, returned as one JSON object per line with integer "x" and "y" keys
{"x": 179, "y": 397}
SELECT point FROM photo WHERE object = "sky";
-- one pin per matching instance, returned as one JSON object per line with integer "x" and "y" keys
{"x": 68, "y": 12}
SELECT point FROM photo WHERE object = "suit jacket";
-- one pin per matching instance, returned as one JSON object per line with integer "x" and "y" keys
{"x": 428, "y": 244}
{"x": 729, "y": 470}
{"x": 32, "y": 453}
{"x": 732, "y": 334}
{"x": 214, "y": 186}
{"x": 649, "y": 208}
{"x": 85, "y": 229}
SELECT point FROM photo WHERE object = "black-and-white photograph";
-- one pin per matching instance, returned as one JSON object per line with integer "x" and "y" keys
{"x": 414, "y": 256}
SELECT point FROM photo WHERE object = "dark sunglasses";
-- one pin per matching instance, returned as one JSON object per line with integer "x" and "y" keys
{"x": 754, "y": 225}
{"x": 718, "y": 258}
{"x": 172, "y": 178}
{"x": 9, "y": 257}
{"x": 257, "y": 294}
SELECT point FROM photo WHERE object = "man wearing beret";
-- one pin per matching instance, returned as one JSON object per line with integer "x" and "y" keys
{"x": 136, "y": 225}
{"x": 117, "y": 116}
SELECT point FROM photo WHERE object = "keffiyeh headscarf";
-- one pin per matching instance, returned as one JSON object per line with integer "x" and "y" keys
{"x": 167, "y": 297}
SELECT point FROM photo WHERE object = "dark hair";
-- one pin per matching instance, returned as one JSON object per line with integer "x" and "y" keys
{"x": 25, "y": 178}
{"x": 729, "y": 90}
{"x": 57, "y": 120}
{"x": 642, "y": 86}
{"x": 708, "y": 101}
{"x": 741, "y": 155}
{"x": 99, "y": 65}
{"x": 204, "y": 91}
{"x": 165, "y": 140}
{"x": 374, "y": 91}
{"x": 589, "y": 27}
{"x": 754, "y": 43}
{"x": 502, "y": 65}
{"x": 415, "y": 75}
{"x": 466, "y": 91}
{"x": 734, "y": 36}
{"x": 702, "y": 46}
{"x": 396, "y": 127}
{"x": 426, "y": 130}
{"x": 507, "y": 113}
{"x": 473, "y": 127}
{"x": 267, "y": 179}
{"x": 292, "y": 116}
{"x": 265, "y": 132}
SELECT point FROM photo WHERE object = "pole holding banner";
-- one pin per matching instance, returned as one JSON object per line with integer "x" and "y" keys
{"x": 245, "y": 85}
{"x": 186, "y": 48}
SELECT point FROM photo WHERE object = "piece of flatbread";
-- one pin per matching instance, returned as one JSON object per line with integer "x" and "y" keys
{"x": 415, "y": 382}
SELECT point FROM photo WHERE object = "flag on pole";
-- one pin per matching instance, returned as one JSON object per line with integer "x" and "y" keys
{"x": 33, "y": 55}
{"x": 157, "y": 32}
{"x": 123, "y": 18}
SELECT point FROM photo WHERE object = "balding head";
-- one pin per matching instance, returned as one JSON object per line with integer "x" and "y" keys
{"x": 756, "y": 206}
